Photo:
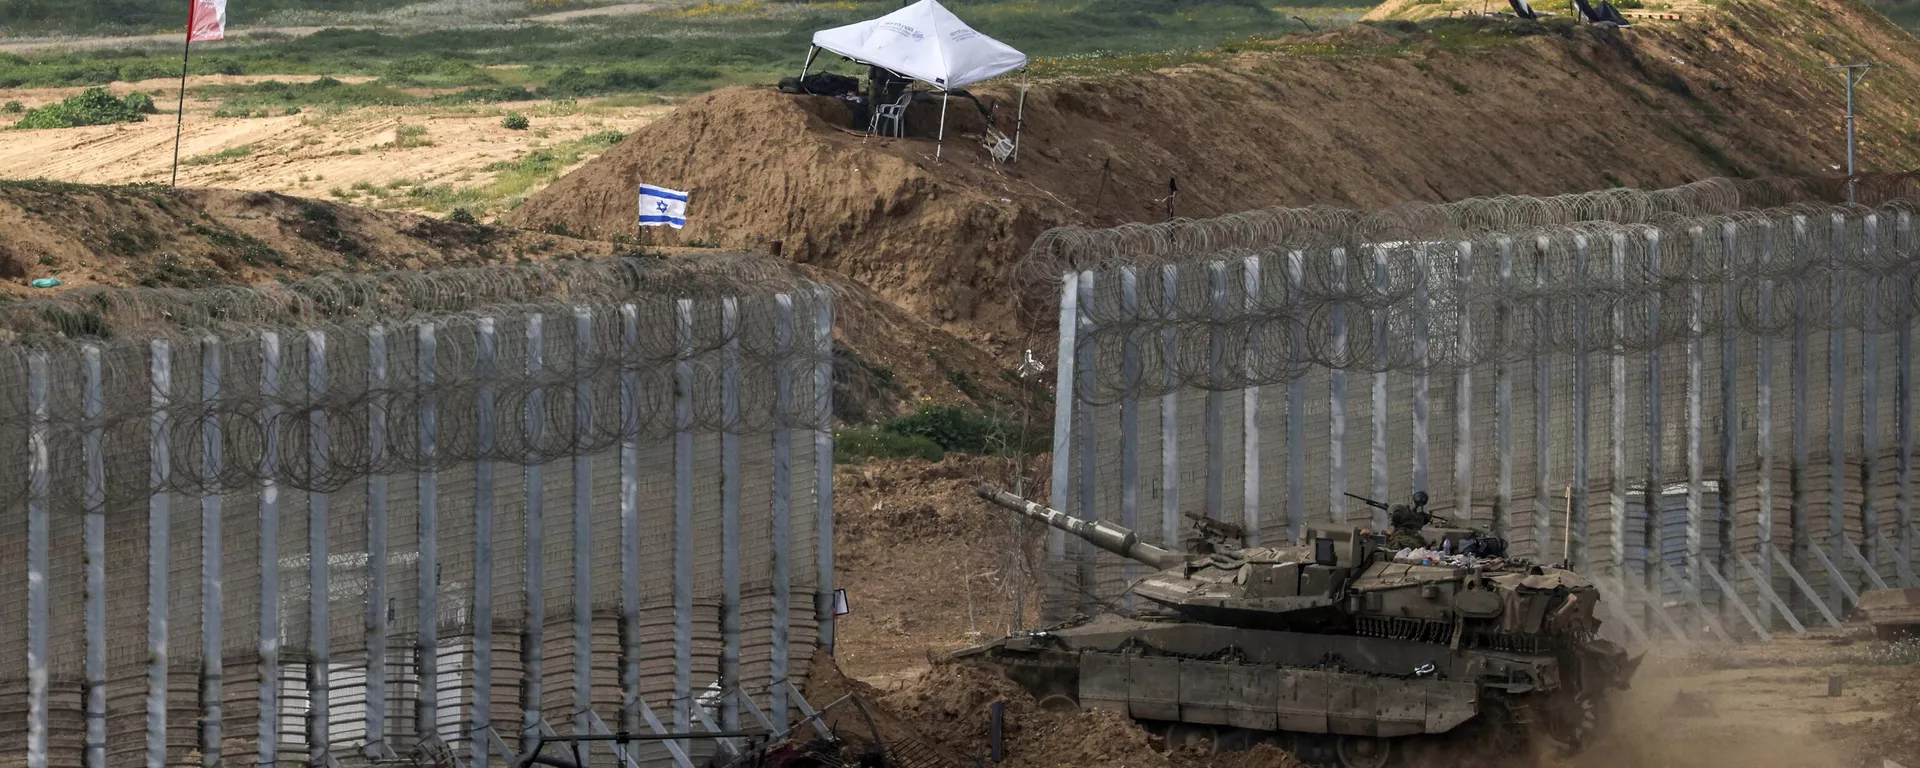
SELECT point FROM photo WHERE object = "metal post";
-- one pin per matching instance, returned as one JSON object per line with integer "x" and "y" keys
{"x": 823, "y": 462}
{"x": 1543, "y": 495}
{"x": 1463, "y": 391}
{"x": 1216, "y": 399}
{"x": 1652, "y": 553}
{"x": 1802, "y": 419}
{"x": 1729, "y": 420}
{"x": 1852, "y": 75}
{"x": 533, "y": 630}
{"x": 39, "y": 613}
{"x": 782, "y": 568}
{"x": 1617, "y": 386}
{"x": 630, "y": 522}
{"x": 159, "y": 545}
{"x": 729, "y": 524}
{"x": 1763, "y": 426}
{"x": 1837, "y": 406}
{"x": 1382, "y": 284}
{"x": 94, "y": 499}
{"x": 1249, "y": 408}
{"x": 1337, "y": 394}
{"x": 427, "y": 641}
{"x": 1130, "y": 413}
{"x": 1696, "y": 466}
{"x": 582, "y": 521}
{"x": 1169, "y": 407}
{"x": 683, "y": 517}
{"x": 1422, "y": 325}
{"x": 377, "y": 601}
{"x": 1063, "y": 402}
{"x": 319, "y": 663}
{"x": 1296, "y": 408}
{"x": 269, "y": 640}
{"x": 1503, "y": 400}
{"x": 212, "y": 460}
{"x": 1870, "y": 406}
{"x": 1903, "y": 412}
{"x": 486, "y": 364}
{"x": 1086, "y": 557}
{"x": 1577, "y": 527}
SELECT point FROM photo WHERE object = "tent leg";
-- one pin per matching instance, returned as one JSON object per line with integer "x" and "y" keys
{"x": 940, "y": 141}
{"x": 811, "y": 51}
{"x": 1019, "y": 122}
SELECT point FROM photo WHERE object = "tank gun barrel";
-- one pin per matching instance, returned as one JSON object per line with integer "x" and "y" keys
{"x": 1105, "y": 535}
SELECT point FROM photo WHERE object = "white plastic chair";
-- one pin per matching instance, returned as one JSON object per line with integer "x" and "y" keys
{"x": 895, "y": 112}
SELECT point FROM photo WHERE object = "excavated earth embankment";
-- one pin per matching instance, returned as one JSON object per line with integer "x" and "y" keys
{"x": 1374, "y": 115}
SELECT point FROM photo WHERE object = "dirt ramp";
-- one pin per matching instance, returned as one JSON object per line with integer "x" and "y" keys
{"x": 763, "y": 166}
{"x": 194, "y": 238}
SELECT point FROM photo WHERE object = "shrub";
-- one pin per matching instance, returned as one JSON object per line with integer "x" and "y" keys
{"x": 857, "y": 444}
{"x": 13, "y": 108}
{"x": 405, "y": 136}
{"x": 515, "y": 121}
{"x": 94, "y": 106}
{"x": 958, "y": 429}
{"x": 463, "y": 216}
{"x": 141, "y": 103}
{"x": 603, "y": 139}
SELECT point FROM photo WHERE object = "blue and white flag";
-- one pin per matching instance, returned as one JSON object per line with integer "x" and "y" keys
{"x": 661, "y": 206}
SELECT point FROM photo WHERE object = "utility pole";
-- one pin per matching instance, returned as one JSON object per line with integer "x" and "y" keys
{"x": 1854, "y": 74}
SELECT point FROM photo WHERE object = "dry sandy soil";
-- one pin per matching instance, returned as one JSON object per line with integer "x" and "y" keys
{"x": 308, "y": 154}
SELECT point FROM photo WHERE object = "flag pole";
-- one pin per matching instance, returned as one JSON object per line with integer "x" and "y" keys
{"x": 180, "y": 112}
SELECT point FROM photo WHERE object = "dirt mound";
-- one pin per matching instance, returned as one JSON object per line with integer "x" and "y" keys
{"x": 1440, "y": 110}
{"x": 928, "y": 567}
{"x": 153, "y": 236}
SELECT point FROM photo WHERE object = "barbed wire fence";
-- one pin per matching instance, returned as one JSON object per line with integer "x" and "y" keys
{"x": 351, "y": 519}
{"x": 1658, "y": 399}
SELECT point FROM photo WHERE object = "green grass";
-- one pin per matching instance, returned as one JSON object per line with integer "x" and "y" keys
{"x": 669, "y": 51}
{"x": 213, "y": 158}
{"x": 513, "y": 180}
{"x": 275, "y": 97}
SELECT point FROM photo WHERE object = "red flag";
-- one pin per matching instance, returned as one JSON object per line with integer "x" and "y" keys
{"x": 206, "y": 20}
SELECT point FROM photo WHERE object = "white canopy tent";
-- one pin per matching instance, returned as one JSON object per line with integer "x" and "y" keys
{"x": 923, "y": 41}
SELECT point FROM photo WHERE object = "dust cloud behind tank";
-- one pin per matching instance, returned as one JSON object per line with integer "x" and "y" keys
{"x": 1425, "y": 646}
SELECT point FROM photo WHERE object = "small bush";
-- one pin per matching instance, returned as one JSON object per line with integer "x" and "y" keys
{"x": 211, "y": 158}
{"x": 141, "y": 103}
{"x": 603, "y": 139}
{"x": 463, "y": 216}
{"x": 406, "y": 136}
{"x": 13, "y": 108}
{"x": 94, "y": 106}
{"x": 515, "y": 121}
{"x": 954, "y": 428}
{"x": 857, "y": 444}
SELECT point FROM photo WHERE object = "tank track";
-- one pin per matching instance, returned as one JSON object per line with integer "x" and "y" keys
{"x": 1510, "y": 731}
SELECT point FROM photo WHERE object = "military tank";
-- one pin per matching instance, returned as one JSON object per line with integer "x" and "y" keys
{"x": 1353, "y": 649}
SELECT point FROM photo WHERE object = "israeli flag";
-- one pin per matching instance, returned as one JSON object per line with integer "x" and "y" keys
{"x": 661, "y": 206}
